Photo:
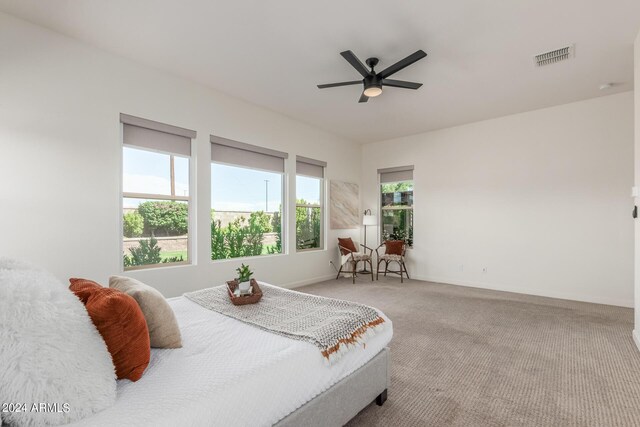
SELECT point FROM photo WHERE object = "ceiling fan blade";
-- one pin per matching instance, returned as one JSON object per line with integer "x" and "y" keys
{"x": 324, "y": 86}
{"x": 355, "y": 62}
{"x": 400, "y": 83}
{"x": 363, "y": 98}
{"x": 416, "y": 56}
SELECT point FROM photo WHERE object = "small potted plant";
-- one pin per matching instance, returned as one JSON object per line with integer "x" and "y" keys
{"x": 244, "y": 278}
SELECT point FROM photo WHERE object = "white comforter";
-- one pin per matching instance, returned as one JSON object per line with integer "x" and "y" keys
{"x": 228, "y": 374}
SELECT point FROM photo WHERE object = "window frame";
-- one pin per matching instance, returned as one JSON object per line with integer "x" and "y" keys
{"x": 382, "y": 209}
{"x": 190, "y": 199}
{"x": 310, "y": 205}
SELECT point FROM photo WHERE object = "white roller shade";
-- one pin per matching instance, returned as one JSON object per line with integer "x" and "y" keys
{"x": 310, "y": 167}
{"x": 251, "y": 156}
{"x": 156, "y": 136}
{"x": 402, "y": 173}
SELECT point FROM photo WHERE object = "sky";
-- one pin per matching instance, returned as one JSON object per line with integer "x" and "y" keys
{"x": 232, "y": 188}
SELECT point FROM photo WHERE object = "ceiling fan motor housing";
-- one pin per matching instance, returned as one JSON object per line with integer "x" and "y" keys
{"x": 371, "y": 81}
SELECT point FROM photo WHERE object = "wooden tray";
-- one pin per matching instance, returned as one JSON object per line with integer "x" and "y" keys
{"x": 244, "y": 299}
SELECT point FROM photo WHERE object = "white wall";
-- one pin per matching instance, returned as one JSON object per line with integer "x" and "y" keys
{"x": 541, "y": 199}
{"x": 60, "y": 157}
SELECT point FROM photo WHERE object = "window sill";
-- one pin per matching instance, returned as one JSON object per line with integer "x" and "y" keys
{"x": 302, "y": 251}
{"x": 217, "y": 261}
{"x": 156, "y": 266}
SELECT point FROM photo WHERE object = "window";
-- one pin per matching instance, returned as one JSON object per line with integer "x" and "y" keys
{"x": 309, "y": 203}
{"x": 155, "y": 193}
{"x": 246, "y": 200}
{"x": 396, "y": 196}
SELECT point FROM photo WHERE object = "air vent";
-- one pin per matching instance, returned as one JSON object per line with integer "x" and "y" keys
{"x": 554, "y": 56}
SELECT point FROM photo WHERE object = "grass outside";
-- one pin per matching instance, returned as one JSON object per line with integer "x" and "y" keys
{"x": 265, "y": 249}
{"x": 183, "y": 253}
{"x": 171, "y": 254}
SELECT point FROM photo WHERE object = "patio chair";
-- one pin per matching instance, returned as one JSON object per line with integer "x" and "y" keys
{"x": 351, "y": 257}
{"x": 394, "y": 251}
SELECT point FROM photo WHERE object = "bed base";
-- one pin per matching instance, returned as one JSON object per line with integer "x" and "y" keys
{"x": 342, "y": 401}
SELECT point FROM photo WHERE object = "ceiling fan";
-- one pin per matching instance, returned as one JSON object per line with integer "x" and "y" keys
{"x": 373, "y": 81}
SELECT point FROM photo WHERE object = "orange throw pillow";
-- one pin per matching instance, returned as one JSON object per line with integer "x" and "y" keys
{"x": 393, "y": 247}
{"x": 78, "y": 285}
{"x": 347, "y": 244}
{"x": 121, "y": 323}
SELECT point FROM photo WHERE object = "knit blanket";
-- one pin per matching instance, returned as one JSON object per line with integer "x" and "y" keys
{"x": 332, "y": 325}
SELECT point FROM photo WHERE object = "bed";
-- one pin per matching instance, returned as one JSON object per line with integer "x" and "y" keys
{"x": 229, "y": 373}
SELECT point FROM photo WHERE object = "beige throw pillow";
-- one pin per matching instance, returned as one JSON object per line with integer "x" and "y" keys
{"x": 161, "y": 322}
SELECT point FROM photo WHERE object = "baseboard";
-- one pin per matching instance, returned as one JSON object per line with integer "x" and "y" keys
{"x": 636, "y": 338}
{"x": 305, "y": 282}
{"x": 558, "y": 295}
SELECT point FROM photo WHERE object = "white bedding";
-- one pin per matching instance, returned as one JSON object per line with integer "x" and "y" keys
{"x": 228, "y": 374}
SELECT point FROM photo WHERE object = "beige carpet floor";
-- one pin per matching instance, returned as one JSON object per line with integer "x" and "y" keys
{"x": 471, "y": 357}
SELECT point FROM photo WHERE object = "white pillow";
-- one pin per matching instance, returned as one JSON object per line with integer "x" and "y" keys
{"x": 50, "y": 351}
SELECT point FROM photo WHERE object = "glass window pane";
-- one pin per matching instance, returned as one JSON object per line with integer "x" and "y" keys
{"x": 397, "y": 211}
{"x": 308, "y": 219}
{"x": 397, "y": 224}
{"x": 155, "y": 232}
{"x": 146, "y": 172}
{"x": 181, "y": 173}
{"x": 397, "y": 194}
{"x": 246, "y": 212}
{"x": 308, "y": 190}
{"x": 308, "y": 227}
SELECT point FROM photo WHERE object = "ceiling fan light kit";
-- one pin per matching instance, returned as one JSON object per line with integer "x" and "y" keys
{"x": 372, "y": 81}
{"x": 372, "y": 91}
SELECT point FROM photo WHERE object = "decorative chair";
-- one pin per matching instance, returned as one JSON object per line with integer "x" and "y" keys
{"x": 350, "y": 256}
{"x": 394, "y": 251}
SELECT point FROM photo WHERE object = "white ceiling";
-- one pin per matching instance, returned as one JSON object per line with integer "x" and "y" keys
{"x": 273, "y": 53}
